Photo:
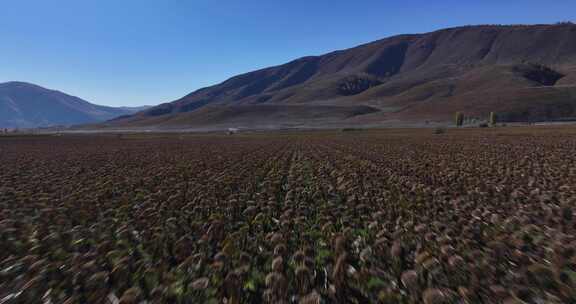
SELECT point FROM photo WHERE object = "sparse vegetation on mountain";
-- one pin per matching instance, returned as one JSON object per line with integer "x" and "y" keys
{"x": 522, "y": 72}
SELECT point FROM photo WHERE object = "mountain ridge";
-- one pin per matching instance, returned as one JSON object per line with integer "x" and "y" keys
{"x": 28, "y": 105}
{"x": 418, "y": 77}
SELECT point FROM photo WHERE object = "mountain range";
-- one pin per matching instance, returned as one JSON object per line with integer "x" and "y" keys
{"x": 25, "y": 105}
{"x": 520, "y": 72}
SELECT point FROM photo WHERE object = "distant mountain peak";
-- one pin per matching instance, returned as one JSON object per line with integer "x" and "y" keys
{"x": 27, "y": 105}
{"x": 20, "y": 84}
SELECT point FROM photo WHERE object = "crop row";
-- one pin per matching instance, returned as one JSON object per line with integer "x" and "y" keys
{"x": 309, "y": 218}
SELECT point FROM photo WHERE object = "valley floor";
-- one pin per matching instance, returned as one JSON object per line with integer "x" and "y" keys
{"x": 361, "y": 216}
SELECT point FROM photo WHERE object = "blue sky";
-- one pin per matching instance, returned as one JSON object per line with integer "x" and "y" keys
{"x": 136, "y": 52}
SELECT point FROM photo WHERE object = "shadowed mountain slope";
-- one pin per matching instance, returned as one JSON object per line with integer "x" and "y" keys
{"x": 521, "y": 72}
{"x": 25, "y": 105}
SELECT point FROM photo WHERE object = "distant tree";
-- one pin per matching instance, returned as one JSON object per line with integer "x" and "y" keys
{"x": 459, "y": 119}
{"x": 492, "y": 119}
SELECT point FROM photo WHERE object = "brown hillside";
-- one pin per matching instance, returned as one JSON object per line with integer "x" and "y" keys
{"x": 520, "y": 72}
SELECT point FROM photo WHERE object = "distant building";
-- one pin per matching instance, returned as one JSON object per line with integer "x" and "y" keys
{"x": 232, "y": 131}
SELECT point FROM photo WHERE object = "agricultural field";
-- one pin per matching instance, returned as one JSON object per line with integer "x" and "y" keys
{"x": 367, "y": 216}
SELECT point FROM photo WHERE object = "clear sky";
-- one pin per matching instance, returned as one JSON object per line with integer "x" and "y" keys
{"x": 136, "y": 52}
